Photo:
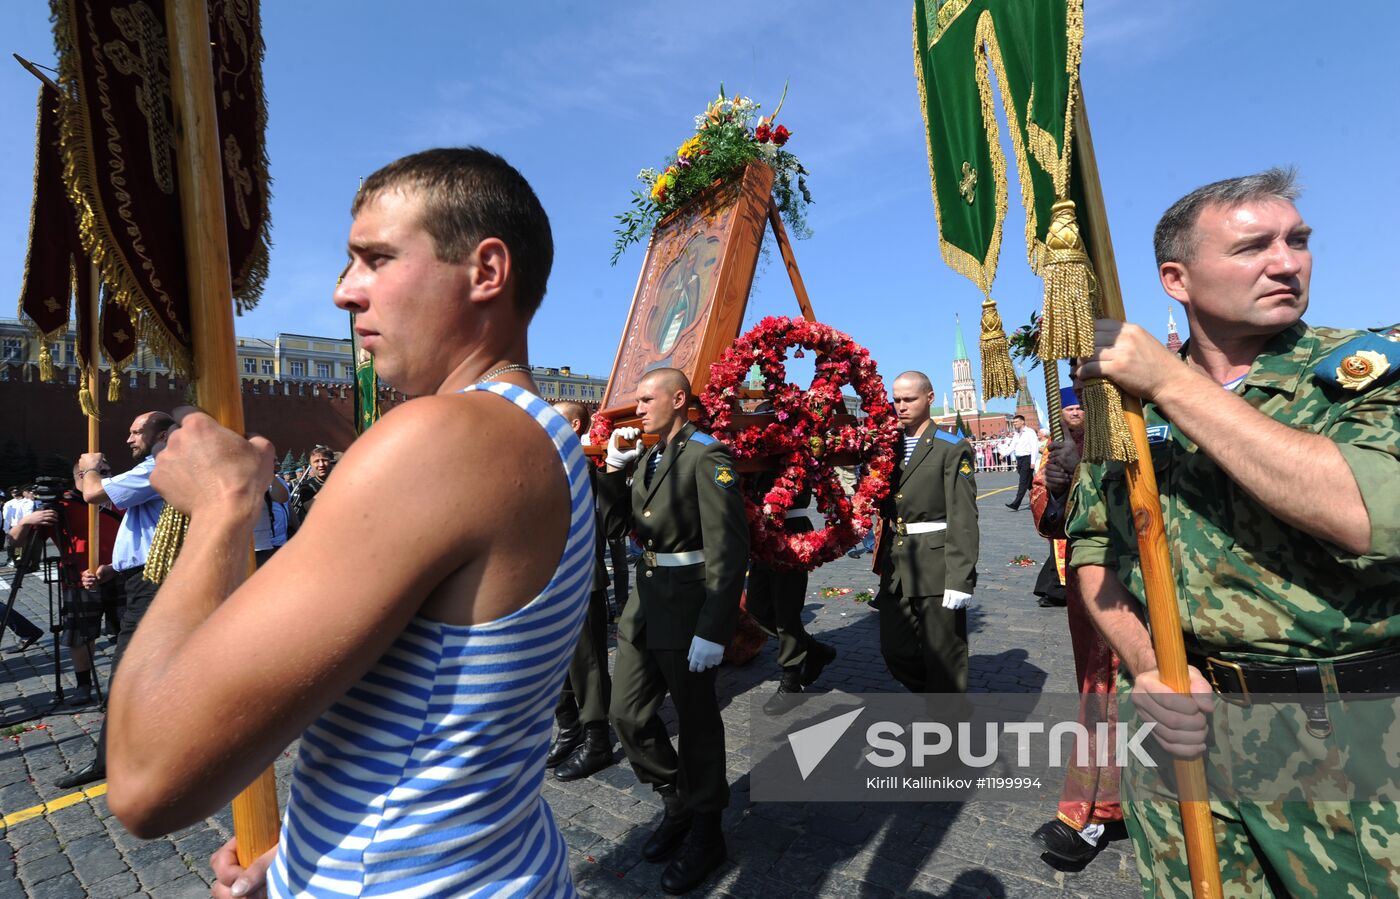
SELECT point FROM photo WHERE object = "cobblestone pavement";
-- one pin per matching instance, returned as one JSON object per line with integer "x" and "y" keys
{"x": 75, "y": 848}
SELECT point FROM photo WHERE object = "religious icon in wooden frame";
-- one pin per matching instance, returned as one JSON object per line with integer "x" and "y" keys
{"x": 693, "y": 289}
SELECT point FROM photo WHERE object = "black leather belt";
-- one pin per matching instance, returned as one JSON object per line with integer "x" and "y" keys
{"x": 1237, "y": 682}
{"x": 1372, "y": 673}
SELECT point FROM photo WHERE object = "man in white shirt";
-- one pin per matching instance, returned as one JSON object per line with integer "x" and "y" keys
{"x": 1024, "y": 447}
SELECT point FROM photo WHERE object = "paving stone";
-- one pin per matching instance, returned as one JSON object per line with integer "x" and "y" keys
{"x": 161, "y": 872}
{"x": 64, "y": 886}
{"x": 187, "y": 887}
{"x": 50, "y": 866}
{"x": 118, "y": 886}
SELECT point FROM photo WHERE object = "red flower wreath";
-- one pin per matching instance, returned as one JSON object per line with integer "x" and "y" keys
{"x": 801, "y": 439}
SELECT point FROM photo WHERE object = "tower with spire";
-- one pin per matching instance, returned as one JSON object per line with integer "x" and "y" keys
{"x": 964, "y": 389}
{"x": 1173, "y": 338}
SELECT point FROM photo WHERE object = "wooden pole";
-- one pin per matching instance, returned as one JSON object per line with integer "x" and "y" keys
{"x": 94, "y": 544}
{"x": 255, "y": 817}
{"x": 1157, "y": 577}
{"x": 790, "y": 262}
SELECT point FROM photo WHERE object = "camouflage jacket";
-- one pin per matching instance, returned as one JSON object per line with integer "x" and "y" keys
{"x": 1249, "y": 586}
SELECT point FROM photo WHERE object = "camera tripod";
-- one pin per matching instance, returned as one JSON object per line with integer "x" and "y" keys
{"x": 33, "y": 557}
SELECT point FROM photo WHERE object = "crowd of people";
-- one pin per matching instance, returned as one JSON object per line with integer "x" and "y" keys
{"x": 469, "y": 655}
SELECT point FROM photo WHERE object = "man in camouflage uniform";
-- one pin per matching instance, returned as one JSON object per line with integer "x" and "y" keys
{"x": 1276, "y": 450}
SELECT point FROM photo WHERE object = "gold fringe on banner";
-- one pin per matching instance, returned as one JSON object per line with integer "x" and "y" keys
{"x": 1106, "y": 435}
{"x": 114, "y": 384}
{"x": 45, "y": 362}
{"x": 165, "y": 544}
{"x": 998, "y": 377}
{"x": 1067, "y": 322}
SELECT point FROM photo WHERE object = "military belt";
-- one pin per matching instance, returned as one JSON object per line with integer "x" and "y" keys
{"x": 1372, "y": 673}
{"x": 1238, "y": 681}
{"x": 919, "y": 527}
{"x": 672, "y": 560}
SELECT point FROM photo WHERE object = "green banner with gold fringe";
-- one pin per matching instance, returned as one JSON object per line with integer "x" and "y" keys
{"x": 1026, "y": 53}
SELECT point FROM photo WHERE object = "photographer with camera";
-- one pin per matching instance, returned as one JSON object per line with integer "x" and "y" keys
{"x": 86, "y": 596}
{"x": 19, "y": 510}
{"x": 310, "y": 484}
{"x": 132, "y": 492}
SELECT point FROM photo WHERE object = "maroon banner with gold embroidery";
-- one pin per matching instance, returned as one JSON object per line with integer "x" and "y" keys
{"x": 57, "y": 284}
{"x": 117, "y": 140}
{"x": 48, "y": 268}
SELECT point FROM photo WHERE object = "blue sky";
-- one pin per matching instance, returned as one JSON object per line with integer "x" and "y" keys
{"x": 580, "y": 96}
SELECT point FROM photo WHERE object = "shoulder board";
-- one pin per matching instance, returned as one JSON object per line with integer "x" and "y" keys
{"x": 947, "y": 438}
{"x": 702, "y": 438}
{"x": 1389, "y": 332}
{"x": 1362, "y": 362}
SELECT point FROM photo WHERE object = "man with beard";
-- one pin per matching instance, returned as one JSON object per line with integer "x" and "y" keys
{"x": 132, "y": 492}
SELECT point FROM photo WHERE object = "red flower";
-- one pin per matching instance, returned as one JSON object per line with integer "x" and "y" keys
{"x": 802, "y": 442}
{"x": 781, "y": 135}
{"x": 762, "y": 133}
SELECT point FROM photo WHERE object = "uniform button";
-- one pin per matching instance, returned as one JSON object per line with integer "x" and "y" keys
{"x": 651, "y": 543}
{"x": 896, "y": 543}
{"x": 650, "y": 573}
{"x": 646, "y": 514}
{"x": 899, "y": 496}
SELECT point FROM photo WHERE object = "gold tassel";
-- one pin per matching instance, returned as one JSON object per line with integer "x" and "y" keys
{"x": 114, "y": 385}
{"x": 85, "y": 396}
{"x": 1067, "y": 322}
{"x": 998, "y": 377}
{"x": 1106, "y": 435}
{"x": 165, "y": 544}
{"x": 45, "y": 363}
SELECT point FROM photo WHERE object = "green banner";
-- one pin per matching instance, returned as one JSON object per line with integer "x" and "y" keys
{"x": 968, "y": 54}
{"x": 366, "y": 383}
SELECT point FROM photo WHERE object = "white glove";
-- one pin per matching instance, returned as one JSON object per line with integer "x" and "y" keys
{"x": 617, "y": 457}
{"x": 955, "y": 599}
{"x": 704, "y": 655}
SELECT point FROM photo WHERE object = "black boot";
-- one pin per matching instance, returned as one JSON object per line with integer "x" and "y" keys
{"x": 669, "y": 834}
{"x": 593, "y": 755}
{"x": 789, "y": 688}
{"x": 87, "y": 775}
{"x": 1062, "y": 842}
{"x": 703, "y": 852}
{"x": 819, "y": 655}
{"x": 569, "y": 738}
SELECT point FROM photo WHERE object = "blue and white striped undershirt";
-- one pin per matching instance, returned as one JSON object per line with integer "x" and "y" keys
{"x": 909, "y": 444}
{"x": 424, "y": 778}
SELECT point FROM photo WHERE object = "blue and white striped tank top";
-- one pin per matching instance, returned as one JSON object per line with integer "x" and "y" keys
{"x": 424, "y": 779}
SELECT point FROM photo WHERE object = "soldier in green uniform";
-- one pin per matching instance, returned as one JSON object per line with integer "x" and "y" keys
{"x": 1277, "y": 452}
{"x": 582, "y": 744}
{"x": 927, "y": 554}
{"x": 688, "y": 515}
